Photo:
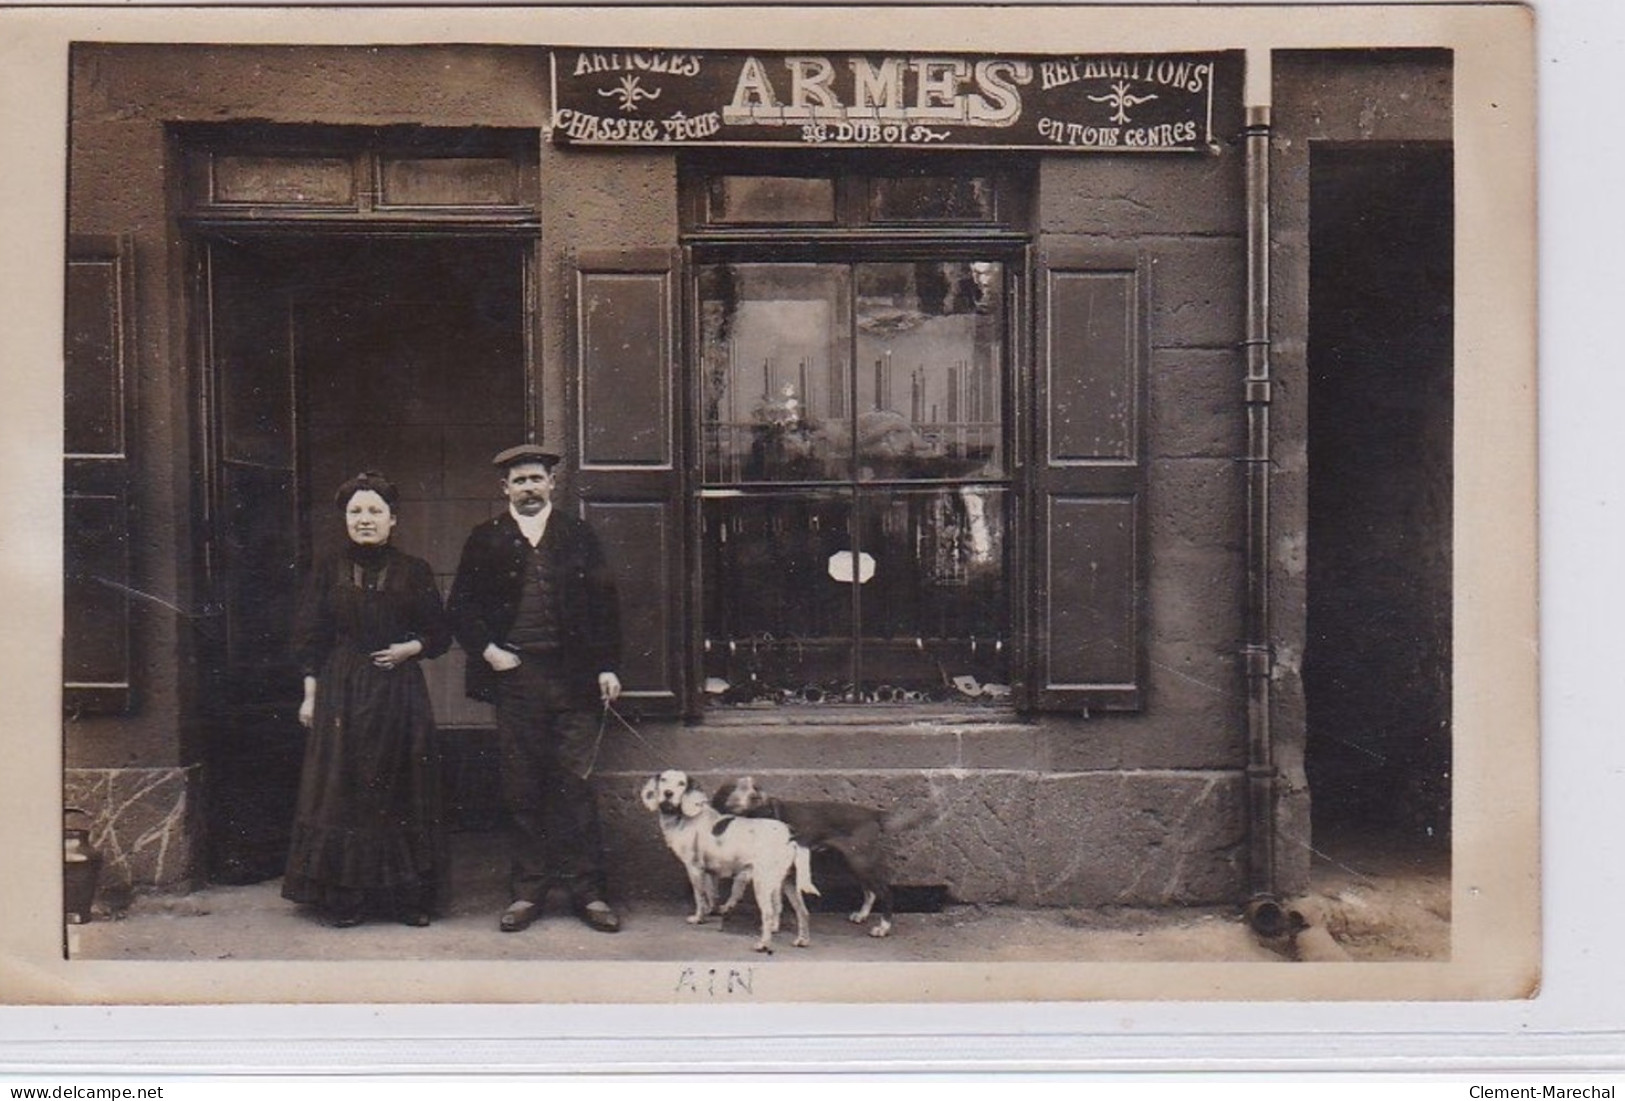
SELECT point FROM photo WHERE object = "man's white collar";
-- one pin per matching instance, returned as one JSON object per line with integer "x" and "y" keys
{"x": 532, "y": 526}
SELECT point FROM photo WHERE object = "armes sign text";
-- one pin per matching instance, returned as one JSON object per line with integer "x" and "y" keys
{"x": 1086, "y": 103}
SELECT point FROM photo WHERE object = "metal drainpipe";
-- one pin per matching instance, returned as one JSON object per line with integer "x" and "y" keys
{"x": 1257, "y": 651}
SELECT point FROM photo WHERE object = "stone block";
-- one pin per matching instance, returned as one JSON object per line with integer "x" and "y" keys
{"x": 1129, "y": 196}
{"x": 142, "y": 823}
{"x": 1137, "y": 839}
{"x": 1195, "y": 596}
{"x": 1101, "y": 741}
{"x": 999, "y": 746}
{"x": 966, "y": 831}
{"x": 1196, "y": 502}
{"x": 1078, "y": 839}
{"x": 776, "y": 740}
{"x": 975, "y": 844}
{"x": 622, "y": 201}
{"x": 1293, "y": 851}
{"x": 1397, "y": 95}
{"x": 962, "y": 830}
{"x": 1195, "y": 406}
{"x": 1198, "y": 292}
{"x": 455, "y": 85}
{"x": 1200, "y": 690}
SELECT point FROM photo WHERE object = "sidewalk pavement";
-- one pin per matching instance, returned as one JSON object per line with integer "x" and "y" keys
{"x": 255, "y": 923}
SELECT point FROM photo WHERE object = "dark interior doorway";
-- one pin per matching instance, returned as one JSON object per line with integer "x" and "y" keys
{"x": 329, "y": 355}
{"x": 1377, "y": 665}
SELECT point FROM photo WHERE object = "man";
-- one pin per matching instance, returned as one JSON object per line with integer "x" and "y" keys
{"x": 534, "y": 606}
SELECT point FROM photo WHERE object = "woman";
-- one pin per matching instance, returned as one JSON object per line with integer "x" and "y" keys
{"x": 367, "y": 834}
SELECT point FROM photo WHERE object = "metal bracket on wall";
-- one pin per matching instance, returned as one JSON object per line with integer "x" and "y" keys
{"x": 1260, "y": 660}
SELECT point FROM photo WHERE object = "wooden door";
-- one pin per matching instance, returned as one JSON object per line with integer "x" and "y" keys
{"x": 255, "y": 537}
{"x": 329, "y": 355}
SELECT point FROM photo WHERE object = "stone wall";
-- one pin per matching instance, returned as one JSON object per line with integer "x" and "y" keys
{"x": 1101, "y": 838}
{"x": 1342, "y": 97}
{"x": 1139, "y": 808}
{"x": 144, "y": 823}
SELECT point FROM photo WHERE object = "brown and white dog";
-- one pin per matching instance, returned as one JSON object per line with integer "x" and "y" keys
{"x": 752, "y": 851}
{"x": 857, "y": 833}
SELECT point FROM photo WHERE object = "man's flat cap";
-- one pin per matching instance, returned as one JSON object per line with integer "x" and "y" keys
{"x": 525, "y": 453}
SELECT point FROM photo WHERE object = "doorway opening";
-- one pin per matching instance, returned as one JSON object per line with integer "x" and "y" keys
{"x": 1377, "y": 664}
{"x": 329, "y": 355}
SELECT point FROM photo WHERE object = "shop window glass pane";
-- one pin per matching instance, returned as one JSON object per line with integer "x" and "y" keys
{"x": 775, "y": 372}
{"x": 856, "y": 497}
{"x": 831, "y": 597}
{"x": 934, "y": 612}
{"x": 930, "y": 378}
{"x": 777, "y": 613}
{"x": 931, "y": 199}
{"x": 449, "y": 181}
{"x": 767, "y": 200}
{"x": 310, "y": 181}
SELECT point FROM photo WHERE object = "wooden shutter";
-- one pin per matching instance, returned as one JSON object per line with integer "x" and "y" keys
{"x": 626, "y": 431}
{"x": 1088, "y": 481}
{"x": 98, "y": 391}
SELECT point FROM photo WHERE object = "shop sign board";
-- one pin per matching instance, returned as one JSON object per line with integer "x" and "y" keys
{"x": 1085, "y": 103}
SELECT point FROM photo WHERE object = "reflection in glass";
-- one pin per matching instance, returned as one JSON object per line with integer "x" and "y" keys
{"x": 775, "y": 372}
{"x": 936, "y": 609}
{"x": 310, "y": 181}
{"x": 931, "y": 199}
{"x": 762, "y": 200}
{"x": 930, "y": 355}
{"x": 882, "y": 575}
{"x": 773, "y": 612}
{"x": 855, "y": 593}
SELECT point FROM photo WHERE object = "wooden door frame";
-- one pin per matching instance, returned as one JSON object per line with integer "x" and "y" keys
{"x": 205, "y": 409}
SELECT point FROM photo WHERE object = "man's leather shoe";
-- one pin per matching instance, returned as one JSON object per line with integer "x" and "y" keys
{"x": 598, "y": 915}
{"x": 518, "y": 916}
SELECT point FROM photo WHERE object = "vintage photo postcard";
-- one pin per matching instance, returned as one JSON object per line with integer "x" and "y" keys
{"x": 809, "y": 504}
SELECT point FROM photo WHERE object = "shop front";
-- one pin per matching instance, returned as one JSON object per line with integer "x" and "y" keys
{"x": 923, "y": 404}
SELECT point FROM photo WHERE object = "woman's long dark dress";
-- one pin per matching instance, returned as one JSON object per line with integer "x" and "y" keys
{"x": 367, "y": 833}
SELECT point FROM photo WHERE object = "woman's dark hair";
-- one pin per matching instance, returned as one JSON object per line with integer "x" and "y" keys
{"x": 367, "y": 479}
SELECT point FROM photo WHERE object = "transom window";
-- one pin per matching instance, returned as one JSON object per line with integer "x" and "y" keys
{"x": 854, "y": 409}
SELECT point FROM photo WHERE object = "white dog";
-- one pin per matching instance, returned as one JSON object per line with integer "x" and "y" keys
{"x": 757, "y": 851}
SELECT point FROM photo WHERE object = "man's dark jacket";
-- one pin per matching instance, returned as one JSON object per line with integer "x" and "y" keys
{"x": 485, "y": 596}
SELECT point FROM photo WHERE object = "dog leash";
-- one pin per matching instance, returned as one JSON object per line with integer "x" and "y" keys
{"x": 603, "y": 720}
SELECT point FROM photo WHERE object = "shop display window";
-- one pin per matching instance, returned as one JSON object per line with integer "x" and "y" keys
{"x": 854, "y": 432}
{"x": 855, "y": 482}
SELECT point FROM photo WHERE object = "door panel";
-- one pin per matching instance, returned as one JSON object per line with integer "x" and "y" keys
{"x": 254, "y": 754}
